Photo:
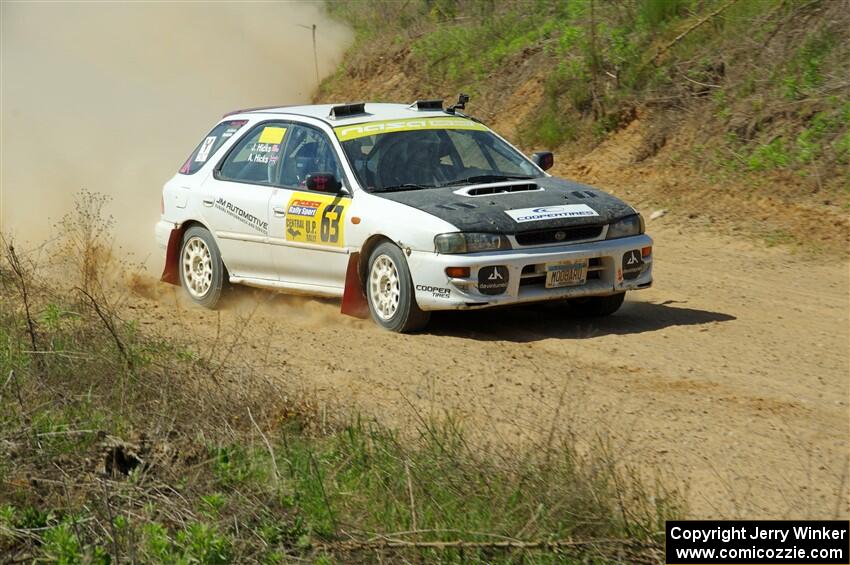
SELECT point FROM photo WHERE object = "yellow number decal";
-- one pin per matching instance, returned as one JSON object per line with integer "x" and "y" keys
{"x": 316, "y": 218}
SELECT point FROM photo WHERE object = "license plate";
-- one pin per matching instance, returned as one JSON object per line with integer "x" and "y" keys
{"x": 566, "y": 273}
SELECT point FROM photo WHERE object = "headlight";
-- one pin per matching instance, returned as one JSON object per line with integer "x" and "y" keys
{"x": 469, "y": 242}
{"x": 630, "y": 225}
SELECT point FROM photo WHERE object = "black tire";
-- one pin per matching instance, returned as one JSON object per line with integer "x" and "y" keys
{"x": 596, "y": 306}
{"x": 193, "y": 266}
{"x": 401, "y": 314}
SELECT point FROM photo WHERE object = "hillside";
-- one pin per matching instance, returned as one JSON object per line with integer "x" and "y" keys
{"x": 733, "y": 115}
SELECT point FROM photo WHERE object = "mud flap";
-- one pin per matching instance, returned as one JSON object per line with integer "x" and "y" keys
{"x": 171, "y": 273}
{"x": 353, "y": 298}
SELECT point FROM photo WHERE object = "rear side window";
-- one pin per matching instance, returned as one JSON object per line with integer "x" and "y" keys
{"x": 210, "y": 144}
{"x": 256, "y": 158}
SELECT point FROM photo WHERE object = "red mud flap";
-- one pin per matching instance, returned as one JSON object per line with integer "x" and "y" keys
{"x": 170, "y": 273}
{"x": 353, "y": 298}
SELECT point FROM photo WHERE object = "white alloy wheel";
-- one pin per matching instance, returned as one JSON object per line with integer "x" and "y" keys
{"x": 385, "y": 287}
{"x": 389, "y": 288}
{"x": 197, "y": 267}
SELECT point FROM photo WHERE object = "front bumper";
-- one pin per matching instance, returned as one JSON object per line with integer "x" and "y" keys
{"x": 525, "y": 272}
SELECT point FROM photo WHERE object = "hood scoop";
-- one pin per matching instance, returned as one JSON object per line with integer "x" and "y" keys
{"x": 497, "y": 188}
{"x": 456, "y": 206}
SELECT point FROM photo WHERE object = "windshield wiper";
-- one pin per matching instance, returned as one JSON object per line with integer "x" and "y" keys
{"x": 486, "y": 178}
{"x": 407, "y": 186}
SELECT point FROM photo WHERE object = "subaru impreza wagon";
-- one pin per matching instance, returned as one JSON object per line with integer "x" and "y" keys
{"x": 399, "y": 209}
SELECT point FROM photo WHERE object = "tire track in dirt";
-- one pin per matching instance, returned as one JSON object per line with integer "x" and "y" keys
{"x": 729, "y": 375}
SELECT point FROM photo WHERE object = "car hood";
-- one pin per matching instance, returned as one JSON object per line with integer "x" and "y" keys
{"x": 516, "y": 206}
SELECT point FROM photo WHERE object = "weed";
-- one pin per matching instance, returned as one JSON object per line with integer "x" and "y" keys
{"x": 213, "y": 504}
{"x": 203, "y": 543}
{"x": 772, "y": 155}
{"x": 62, "y": 546}
{"x": 656, "y": 12}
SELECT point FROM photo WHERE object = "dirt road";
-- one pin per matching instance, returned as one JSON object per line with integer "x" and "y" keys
{"x": 730, "y": 375}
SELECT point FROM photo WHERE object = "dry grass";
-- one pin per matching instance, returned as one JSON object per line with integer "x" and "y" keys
{"x": 121, "y": 446}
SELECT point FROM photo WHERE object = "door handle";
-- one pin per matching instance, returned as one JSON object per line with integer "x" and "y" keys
{"x": 208, "y": 202}
{"x": 279, "y": 212}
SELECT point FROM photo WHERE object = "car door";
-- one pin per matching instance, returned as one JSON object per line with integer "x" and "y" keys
{"x": 236, "y": 201}
{"x": 307, "y": 228}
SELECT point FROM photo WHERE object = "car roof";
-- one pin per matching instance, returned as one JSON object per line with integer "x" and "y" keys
{"x": 374, "y": 111}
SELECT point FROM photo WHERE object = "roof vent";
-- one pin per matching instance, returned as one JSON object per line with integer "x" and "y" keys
{"x": 427, "y": 105}
{"x": 346, "y": 110}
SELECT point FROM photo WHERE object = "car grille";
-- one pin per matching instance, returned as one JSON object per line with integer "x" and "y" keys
{"x": 558, "y": 235}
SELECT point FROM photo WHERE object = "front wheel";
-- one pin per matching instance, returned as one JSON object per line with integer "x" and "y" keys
{"x": 596, "y": 306}
{"x": 389, "y": 291}
{"x": 201, "y": 268}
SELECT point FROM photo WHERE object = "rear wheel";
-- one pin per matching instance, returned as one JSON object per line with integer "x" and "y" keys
{"x": 201, "y": 268}
{"x": 389, "y": 291}
{"x": 596, "y": 306}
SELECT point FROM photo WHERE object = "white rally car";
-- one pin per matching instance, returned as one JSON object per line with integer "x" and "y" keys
{"x": 401, "y": 209}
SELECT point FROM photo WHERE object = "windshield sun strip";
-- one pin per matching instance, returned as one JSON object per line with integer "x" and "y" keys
{"x": 355, "y": 131}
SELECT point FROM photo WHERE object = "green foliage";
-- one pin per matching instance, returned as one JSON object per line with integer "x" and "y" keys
{"x": 213, "y": 504}
{"x": 773, "y": 155}
{"x": 842, "y": 147}
{"x": 656, "y": 12}
{"x": 804, "y": 74}
{"x": 822, "y": 138}
{"x": 62, "y": 546}
{"x": 7, "y": 516}
{"x": 547, "y": 129}
{"x": 470, "y": 54}
{"x": 54, "y": 315}
{"x": 155, "y": 542}
{"x": 203, "y": 543}
{"x": 235, "y": 464}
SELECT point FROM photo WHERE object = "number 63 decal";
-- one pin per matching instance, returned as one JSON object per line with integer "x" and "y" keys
{"x": 329, "y": 228}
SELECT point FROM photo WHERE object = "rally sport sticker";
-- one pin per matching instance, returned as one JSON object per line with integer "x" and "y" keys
{"x": 315, "y": 218}
{"x": 551, "y": 213}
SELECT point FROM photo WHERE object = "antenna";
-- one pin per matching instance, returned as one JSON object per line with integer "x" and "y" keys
{"x": 315, "y": 55}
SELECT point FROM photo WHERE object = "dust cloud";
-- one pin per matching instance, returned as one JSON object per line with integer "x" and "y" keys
{"x": 112, "y": 97}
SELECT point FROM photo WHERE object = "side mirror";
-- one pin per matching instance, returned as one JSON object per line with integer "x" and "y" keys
{"x": 323, "y": 182}
{"x": 543, "y": 159}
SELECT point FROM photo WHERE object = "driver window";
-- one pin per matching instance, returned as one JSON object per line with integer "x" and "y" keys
{"x": 307, "y": 151}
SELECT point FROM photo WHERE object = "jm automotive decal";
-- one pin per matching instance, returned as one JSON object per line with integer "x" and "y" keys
{"x": 551, "y": 213}
{"x": 316, "y": 218}
{"x": 245, "y": 217}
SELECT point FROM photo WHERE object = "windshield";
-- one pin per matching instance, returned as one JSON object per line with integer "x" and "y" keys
{"x": 430, "y": 153}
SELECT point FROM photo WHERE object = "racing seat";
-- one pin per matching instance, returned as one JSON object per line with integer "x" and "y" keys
{"x": 411, "y": 160}
{"x": 300, "y": 164}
